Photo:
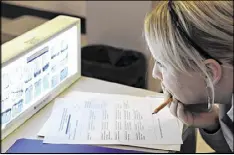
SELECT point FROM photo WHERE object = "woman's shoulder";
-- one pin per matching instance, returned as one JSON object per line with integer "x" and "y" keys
{"x": 226, "y": 115}
{"x": 226, "y": 110}
{"x": 230, "y": 111}
{"x": 226, "y": 122}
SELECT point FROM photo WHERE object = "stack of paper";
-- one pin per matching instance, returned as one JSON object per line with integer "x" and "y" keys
{"x": 104, "y": 119}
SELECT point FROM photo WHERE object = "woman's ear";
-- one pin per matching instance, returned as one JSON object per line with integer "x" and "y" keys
{"x": 215, "y": 69}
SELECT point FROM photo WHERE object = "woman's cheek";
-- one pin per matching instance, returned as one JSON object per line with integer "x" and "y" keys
{"x": 188, "y": 90}
{"x": 170, "y": 84}
{"x": 180, "y": 92}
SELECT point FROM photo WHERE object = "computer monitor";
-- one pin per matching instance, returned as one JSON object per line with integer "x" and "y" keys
{"x": 36, "y": 67}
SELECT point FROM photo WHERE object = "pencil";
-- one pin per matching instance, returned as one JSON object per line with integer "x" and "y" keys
{"x": 162, "y": 106}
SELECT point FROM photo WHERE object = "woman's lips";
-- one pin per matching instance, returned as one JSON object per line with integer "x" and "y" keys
{"x": 167, "y": 90}
{"x": 170, "y": 93}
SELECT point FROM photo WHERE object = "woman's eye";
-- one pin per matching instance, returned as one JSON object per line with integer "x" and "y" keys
{"x": 159, "y": 64}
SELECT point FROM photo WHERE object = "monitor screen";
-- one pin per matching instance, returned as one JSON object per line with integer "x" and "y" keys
{"x": 32, "y": 76}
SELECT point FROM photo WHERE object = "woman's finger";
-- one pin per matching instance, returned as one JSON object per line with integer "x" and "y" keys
{"x": 169, "y": 104}
{"x": 173, "y": 108}
{"x": 180, "y": 111}
{"x": 183, "y": 115}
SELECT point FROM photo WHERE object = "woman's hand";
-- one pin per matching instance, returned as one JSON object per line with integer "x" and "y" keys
{"x": 205, "y": 120}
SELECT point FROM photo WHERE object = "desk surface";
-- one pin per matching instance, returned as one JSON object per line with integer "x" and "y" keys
{"x": 31, "y": 127}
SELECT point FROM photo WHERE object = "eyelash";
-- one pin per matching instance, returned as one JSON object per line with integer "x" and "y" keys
{"x": 159, "y": 64}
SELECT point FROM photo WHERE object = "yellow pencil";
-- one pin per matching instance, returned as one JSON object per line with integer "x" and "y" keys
{"x": 162, "y": 105}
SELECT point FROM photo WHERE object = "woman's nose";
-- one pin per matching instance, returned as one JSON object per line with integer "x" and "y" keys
{"x": 157, "y": 74}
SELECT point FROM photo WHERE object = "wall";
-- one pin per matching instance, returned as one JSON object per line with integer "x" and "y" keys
{"x": 72, "y": 7}
{"x": 120, "y": 24}
{"x": 154, "y": 3}
{"x": 115, "y": 23}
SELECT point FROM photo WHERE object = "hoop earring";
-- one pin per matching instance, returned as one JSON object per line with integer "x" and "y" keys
{"x": 210, "y": 98}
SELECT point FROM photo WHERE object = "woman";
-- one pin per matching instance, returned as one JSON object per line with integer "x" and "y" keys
{"x": 192, "y": 44}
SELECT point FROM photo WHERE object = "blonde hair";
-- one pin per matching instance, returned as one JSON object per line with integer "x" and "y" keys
{"x": 208, "y": 23}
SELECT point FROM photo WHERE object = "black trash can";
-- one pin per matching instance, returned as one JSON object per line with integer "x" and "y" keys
{"x": 113, "y": 64}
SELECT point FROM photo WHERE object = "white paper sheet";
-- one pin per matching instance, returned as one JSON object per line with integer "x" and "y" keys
{"x": 154, "y": 148}
{"x": 101, "y": 122}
